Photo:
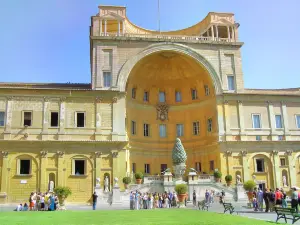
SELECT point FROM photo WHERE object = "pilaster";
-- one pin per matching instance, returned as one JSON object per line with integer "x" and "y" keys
{"x": 8, "y": 115}
{"x": 43, "y": 175}
{"x": 118, "y": 120}
{"x": 115, "y": 156}
{"x": 292, "y": 170}
{"x": 45, "y": 124}
{"x": 241, "y": 121}
{"x": 226, "y": 118}
{"x": 285, "y": 121}
{"x": 60, "y": 168}
{"x": 221, "y": 122}
{"x": 98, "y": 168}
{"x": 245, "y": 166}
{"x": 98, "y": 118}
{"x": 271, "y": 119}
{"x": 62, "y": 113}
{"x": 276, "y": 171}
{"x": 4, "y": 173}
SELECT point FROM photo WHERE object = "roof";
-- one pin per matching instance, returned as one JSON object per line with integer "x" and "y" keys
{"x": 69, "y": 86}
{"x": 284, "y": 91}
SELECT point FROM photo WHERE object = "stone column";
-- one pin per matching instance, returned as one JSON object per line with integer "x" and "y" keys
{"x": 233, "y": 33}
{"x": 119, "y": 27}
{"x": 100, "y": 30}
{"x": 98, "y": 169}
{"x": 60, "y": 168}
{"x": 292, "y": 171}
{"x": 98, "y": 117}
{"x": 217, "y": 32}
{"x": 8, "y": 115}
{"x": 228, "y": 155}
{"x": 43, "y": 175}
{"x": 212, "y": 32}
{"x": 228, "y": 32}
{"x": 276, "y": 172}
{"x": 114, "y": 155}
{"x": 105, "y": 27}
{"x": 4, "y": 173}
{"x": 123, "y": 24}
{"x": 245, "y": 166}
{"x": 285, "y": 121}
{"x": 271, "y": 119}
{"x": 62, "y": 108}
{"x": 241, "y": 121}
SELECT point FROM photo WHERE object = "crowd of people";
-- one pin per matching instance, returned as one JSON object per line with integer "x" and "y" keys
{"x": 40, "y": 202}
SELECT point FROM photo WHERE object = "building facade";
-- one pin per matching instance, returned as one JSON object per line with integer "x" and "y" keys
{"x": 147, "y": 88}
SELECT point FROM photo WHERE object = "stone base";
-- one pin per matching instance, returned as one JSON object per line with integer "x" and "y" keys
{"x": 3, "y": 198}
{"x": 181, "y": 205}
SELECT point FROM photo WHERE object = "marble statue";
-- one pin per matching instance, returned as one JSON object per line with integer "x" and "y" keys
{"x": 106, "y": 184}
{"x": 284, "y": 181}
{"x": 51, "y": 186}
{"x": 98, "y": 181}
{"x": 238, "y": 179}
{"x": 116, "y": 182}
{"x": 99, "y": 120}
{"x": 193, "y": 170}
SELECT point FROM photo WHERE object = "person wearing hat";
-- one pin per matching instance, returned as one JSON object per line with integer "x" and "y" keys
{"x": 294, "y": 198}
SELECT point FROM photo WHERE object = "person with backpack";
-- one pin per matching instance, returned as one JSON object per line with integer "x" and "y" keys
{"x": 272, "y": 198}
{"x": 266, "y": 199}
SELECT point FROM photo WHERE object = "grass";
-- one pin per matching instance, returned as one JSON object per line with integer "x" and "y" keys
{"x": 125, "y": 217}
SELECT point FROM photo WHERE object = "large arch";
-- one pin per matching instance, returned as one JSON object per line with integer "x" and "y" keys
{"x": 165, "y": 46}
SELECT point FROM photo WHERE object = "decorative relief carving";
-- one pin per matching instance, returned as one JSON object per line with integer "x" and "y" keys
{"x": 98, "y": 154}
{"x": 43, "y": 154}
{"x": 225, "y": 102}
{"x": 114, "y": 100}
{"x": 9, "y": 98}
{"x": 4, "y": 154}
{"x": 162, "y": 110}
{"x": 60, "y": 154}
{"x": 244, "y": 153}
{"x": 289, "y": 152}
{"x": 115, "y": 154}
{"x": 98, "y": 99}
{"x": 62, "y": 99}
{"x": 275, "y": 152}
{"x": 228, "y": 153}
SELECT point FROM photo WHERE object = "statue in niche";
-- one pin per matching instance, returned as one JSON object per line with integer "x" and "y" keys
{"x": 238, "y": 179}
{"x": 284, "y": 181}
{"x": 51, "y": 186}
{"x": 106, "y": 183}
{"x": 99, "y": 120}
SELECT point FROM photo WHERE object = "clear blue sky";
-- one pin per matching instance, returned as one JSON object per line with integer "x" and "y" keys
{"x": 48, "y": 40}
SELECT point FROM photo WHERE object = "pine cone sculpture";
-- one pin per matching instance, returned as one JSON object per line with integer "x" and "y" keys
{"x": 178, "y": 153}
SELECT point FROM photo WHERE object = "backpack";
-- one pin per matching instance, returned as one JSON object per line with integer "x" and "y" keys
{"x": 272, "y": 197}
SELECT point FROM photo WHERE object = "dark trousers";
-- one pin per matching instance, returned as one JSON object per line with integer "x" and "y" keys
{"x": 267, "y": 205}
{"x": 294, "y": 204}
{"x": 94, "y": 205}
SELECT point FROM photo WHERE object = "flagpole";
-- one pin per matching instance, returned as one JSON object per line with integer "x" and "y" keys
{"x": 158, "y": 16}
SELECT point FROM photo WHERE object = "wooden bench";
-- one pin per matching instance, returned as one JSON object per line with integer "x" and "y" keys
{"x": 287, "y": 214}
{"x": 202, "y": 205}
{"x": 228, "y": 207}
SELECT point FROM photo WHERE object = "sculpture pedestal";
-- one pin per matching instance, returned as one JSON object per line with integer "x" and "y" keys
{"x": 116, "y": 196}
{"x": 241, "y": 193}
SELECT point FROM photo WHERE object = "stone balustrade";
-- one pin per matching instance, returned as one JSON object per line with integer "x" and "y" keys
{"x": 205, "y": 178}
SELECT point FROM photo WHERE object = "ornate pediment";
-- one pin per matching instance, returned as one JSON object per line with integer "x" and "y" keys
{"x": 162, "y": 110}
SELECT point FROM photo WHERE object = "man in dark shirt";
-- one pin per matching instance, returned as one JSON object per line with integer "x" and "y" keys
{"x": 95, "y": 196}
{"x": 266, "y": 199}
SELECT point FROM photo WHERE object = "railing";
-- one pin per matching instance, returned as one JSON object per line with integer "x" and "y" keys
{"x": 153, "y": 179}
{"x": 203, "y": 178}
{"x": 167, "y": 37}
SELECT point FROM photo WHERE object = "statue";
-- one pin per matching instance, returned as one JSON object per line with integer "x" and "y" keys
{"x": 179, "y": 158}
{"x": 51, "y": 186}
{"x": 98, "y": 182}
{"x": 106, "y": 183}
{"x": 99, "y": 121}
{"x": 193, "y": 170}
{"x": 284, "y": 181}
{"x": 238, "y": 179}
{"x": 116, "y": 182}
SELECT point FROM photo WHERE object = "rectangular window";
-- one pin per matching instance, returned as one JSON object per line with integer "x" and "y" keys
{"x": 107, "y": 58}
{"x": 146, "y": 130}
{"x": 146, "y": 96}
{"x": 209, "y": 125}
{"x": 256, "y": 121}
{"x": 147, "y": 168}
{"x": 207, "y": 91}
{"x": 24, "y": 167}
{"x": 230, "y": 80}
{"x": 178, "y": 96}
{"x": 80, "y": 119}
{"x": 133, "y": 167}
{"x": 2, "y": 119}
{"x": 196, "y": 128}
{"x": 162, "y": 130}
{"x": 282, "y": 162}
{"x": 298, "y": 121}
{"x": 163, "y": 167}
{"x": 133, "y": 93}
{"x": 194, "y": 94}
{"x": 179, "y": 130}
{"x": 260, "y": 165}
{"x": 278, "y": 121}
{"x": 106, "y": 79}
{"x": 162, "y": 96}
{"x": 79, "y": 167}
{"x": 211, "y": 165}
{"x": 133, "y": 127}
{"x": 198, "y": 166}
{"x": 54, "y": 119}
{"x": 27, "y": 119}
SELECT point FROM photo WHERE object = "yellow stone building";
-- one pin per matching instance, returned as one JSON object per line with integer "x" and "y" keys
{"x": 147, "y": 88}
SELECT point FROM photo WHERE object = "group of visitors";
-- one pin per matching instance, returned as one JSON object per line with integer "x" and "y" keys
{"x": 152, "y": 200}
{"x": 40, "y": 202}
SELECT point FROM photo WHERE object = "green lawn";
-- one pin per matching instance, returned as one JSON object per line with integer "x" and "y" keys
{"x": 125, "y": 217}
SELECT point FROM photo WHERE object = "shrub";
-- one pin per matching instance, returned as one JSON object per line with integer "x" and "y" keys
{"x": 138, "y": 175}
{"x": 249, "y": 185}
{"x": 126, "y": 180}
{"x": 217, "y": 174}
{"x": 228, "y": 178}
{"x": 181, "y": 189}
{"x": 62, "y": 191}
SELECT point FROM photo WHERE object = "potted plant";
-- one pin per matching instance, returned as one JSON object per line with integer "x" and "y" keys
{"x": 126, "y": 181}
{"x": 62, "y": 193}
{"x": 138, "y": 177}
{"x": 228, "y": 179}
{"x": 217, "y": 175}
{"x": 249, "y": 187}
{"x": 181, "y": 190}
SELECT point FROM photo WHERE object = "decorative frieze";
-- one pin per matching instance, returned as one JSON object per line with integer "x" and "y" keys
{"x": 228, "y": 153}
{"x": 115, "y": 154}
{"x": 60, "y": 154}
{"x": 274, "y": 152}
{"x": 244, "y": 153}
{"x": 98, "y": 99}
{"x": 43, "y": 154}
{"x": 98, "y": 154}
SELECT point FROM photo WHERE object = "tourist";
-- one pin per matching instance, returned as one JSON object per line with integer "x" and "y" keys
{"x": 94, "y": 197}
{"x": 42, "y": 202}
{"x": 170, "y": 196}
{"x": 278, "y": 197}
{"x": 52, "y": 203}
{"x": 25, "y": 207}
{"x": 151, "y": 201}
{"x": 272, "y": 200}
{"x": 260, "y": 199}
{"x": 284, "y": 202}
{"x": 145, "y": 199}
{"x": 137, "y": 203}
{"x": 294, "y": 199}
{"x": 266, "y": 199}
{"x": 207, "y": 195}
{"x": 31, "y": 203}
{"x": 212, "y": 195}
{"x": 255, "y": 204}
{"x": 131, "y": 197}
{"x": 194, "y": 198}
{"x": 19, "y": 208}
{"x": 46, "y": 201}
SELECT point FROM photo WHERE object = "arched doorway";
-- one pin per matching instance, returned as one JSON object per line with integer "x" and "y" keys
{"x": 170, "y": 94}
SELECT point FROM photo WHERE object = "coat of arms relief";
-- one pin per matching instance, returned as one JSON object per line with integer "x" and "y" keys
{"x": 162, "y": 110}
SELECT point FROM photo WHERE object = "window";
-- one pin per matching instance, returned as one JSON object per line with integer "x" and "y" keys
{"x": 230, "y": 81}
{"x": 163, "y": 167}
{"x": 196, "y": 128}
{"x": 106, "y": 79}
{"x": 79, "y": 167}
{"x": 298, "y": 121}
{"x": 24, "y": 167}
{"x": 80, "y": 117}
{"x": 179, "y": 130}
{"x": 2, "y": 119}
{"x": 27, "y": 119}
{"x": 162, "y": 96}
{"x": 133, "y": 127}
{"x": 278, "y": 121}
{"x": 194, "y": 94}
{"x": 256, "y": 121}
{"x": 162, "y": 130}
{"x": 133, "y": 93}
{"x": 146, "y": 96}
{"x": 198, "y": 166}
{"x": 211, "y": 165}
{"x": 207, "y": 91}
{"x": 209, "y": 125}
{"x": 282, "y": 162}
{"x": 133, "y": 167}
{"x": 147, "y": 168}
{"x": 177, "y": 96}
{"x": 260, "y": 165}
{"x": 258, "y": 137}
{"x": 54, "y": 119}
{"x": 146, "y": 130}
